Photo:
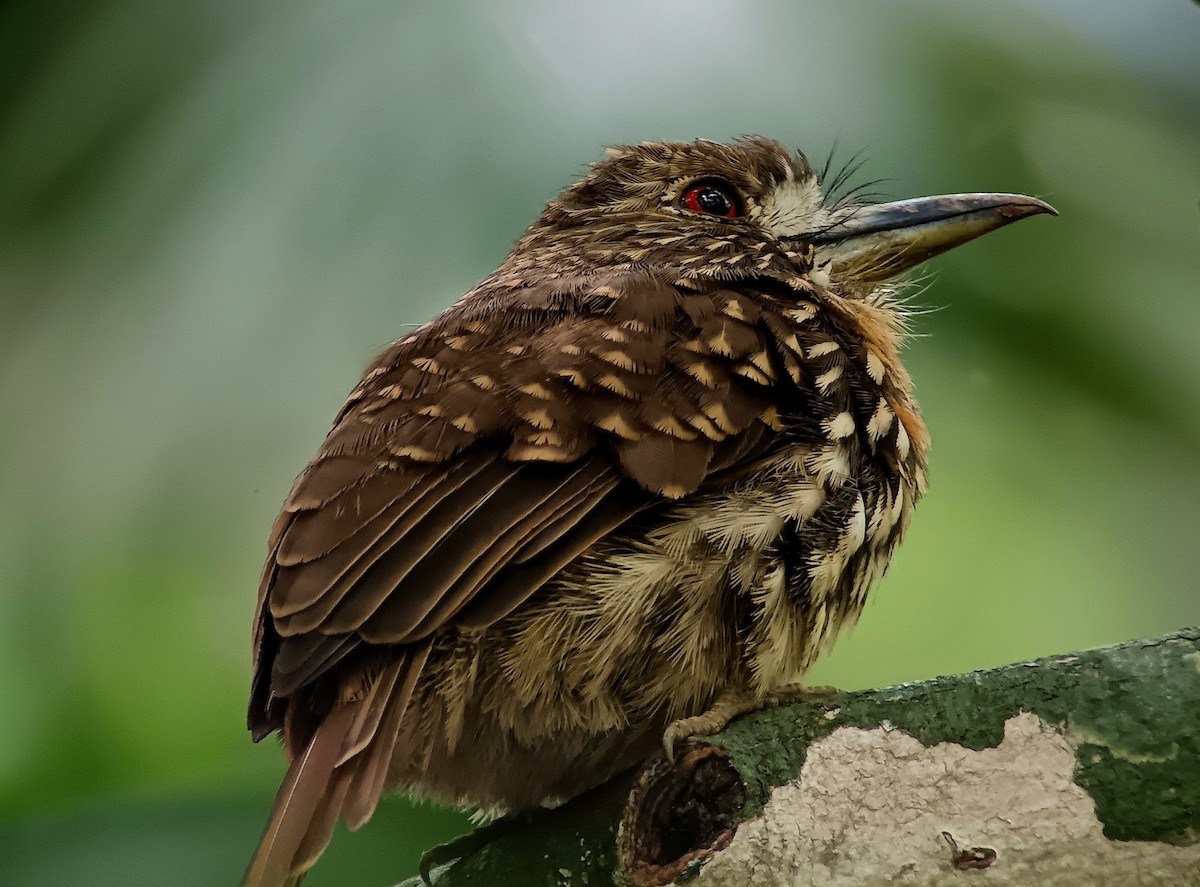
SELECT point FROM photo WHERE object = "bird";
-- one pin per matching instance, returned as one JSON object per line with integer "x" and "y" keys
{"x": 629, "y": 485}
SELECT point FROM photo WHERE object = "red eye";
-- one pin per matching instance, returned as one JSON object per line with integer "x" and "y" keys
{"x": 713, "y": 198}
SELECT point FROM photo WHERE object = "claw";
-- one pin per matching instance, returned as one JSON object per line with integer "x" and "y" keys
{"x": 730, "y": 705}
{"x": 670, "y": 736}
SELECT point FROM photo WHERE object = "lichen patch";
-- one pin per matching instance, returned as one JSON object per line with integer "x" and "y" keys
{"x": 870, "y": 808}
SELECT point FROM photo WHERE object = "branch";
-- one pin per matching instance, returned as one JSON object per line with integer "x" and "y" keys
{"x": 1075, "y": 770}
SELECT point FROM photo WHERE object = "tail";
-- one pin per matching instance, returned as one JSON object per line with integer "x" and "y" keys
{"x": 340, "y": 775}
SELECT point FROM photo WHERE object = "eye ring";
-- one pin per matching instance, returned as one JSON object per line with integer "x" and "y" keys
{"x": 712, "y": 197}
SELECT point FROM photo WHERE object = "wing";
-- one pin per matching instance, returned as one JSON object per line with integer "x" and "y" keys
{"x": 477, "y": 458}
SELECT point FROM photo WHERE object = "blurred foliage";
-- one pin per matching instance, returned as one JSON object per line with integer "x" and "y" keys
{"x": 212, "y": 214}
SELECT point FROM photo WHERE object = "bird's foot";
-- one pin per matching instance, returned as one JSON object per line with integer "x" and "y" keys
{"x": 732, "y": 703}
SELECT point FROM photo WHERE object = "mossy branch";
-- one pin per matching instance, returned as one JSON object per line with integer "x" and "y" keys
{"x": 1074, "y": 770}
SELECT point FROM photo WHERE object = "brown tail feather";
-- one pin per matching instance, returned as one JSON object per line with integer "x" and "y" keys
{"x": 320, "y": 828}
{"x": 340, "y": 774}
{"x": 372, "y": 767}
{"x": 371, "y": 710}
{"x": 298, "y": 803}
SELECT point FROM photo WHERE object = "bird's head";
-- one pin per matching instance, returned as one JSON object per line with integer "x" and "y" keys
{"x": 749, "y": 209}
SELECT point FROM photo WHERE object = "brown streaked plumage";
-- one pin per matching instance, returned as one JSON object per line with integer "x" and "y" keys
{"x": 656, "y": 459}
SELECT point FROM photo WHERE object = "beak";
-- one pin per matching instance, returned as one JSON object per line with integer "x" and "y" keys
{"x": 874, "y": 243}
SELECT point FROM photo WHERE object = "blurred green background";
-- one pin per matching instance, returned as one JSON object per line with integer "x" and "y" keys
{"x": 212, "y": 214}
